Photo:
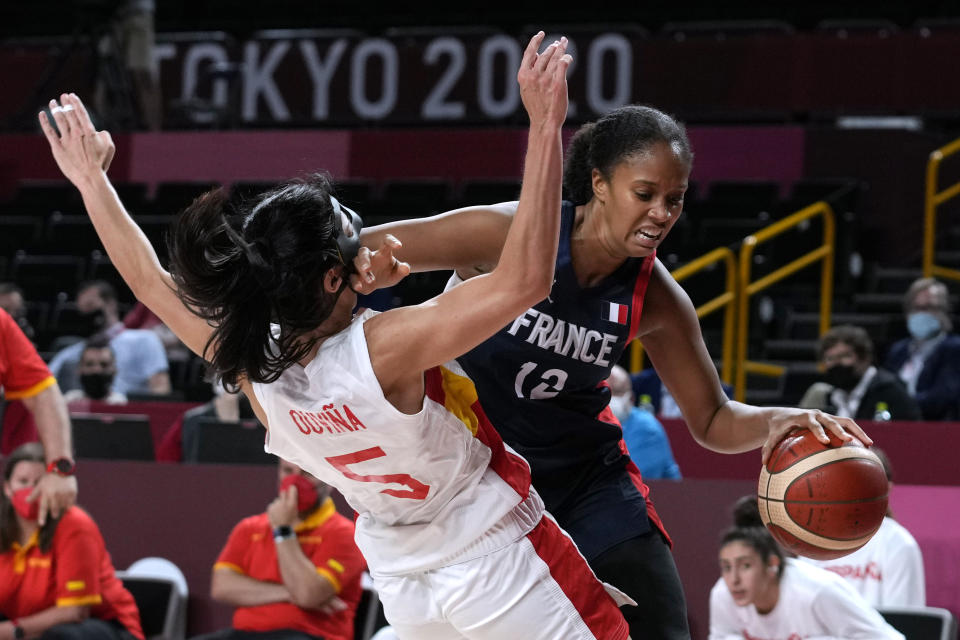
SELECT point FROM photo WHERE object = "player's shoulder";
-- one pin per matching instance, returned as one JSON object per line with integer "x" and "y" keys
{"x": 75, "y": 521}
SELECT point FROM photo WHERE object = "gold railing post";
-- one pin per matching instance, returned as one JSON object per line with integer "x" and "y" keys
{"x": 746, "y": 288}
{"x": 932, "y": 200}
{"x": 727, "y": 299}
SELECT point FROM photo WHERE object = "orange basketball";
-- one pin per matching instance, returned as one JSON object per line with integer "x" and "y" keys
{"x": 822, "y": 501}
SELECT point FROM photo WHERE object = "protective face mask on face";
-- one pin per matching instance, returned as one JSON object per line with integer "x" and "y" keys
{"x": 26, "y": 510}
{"x": 91, "y": 323}
{"x": 923, "y": 325}
{"x": 842, "y": 376}
{"x": 96, "y": 385}
{"x": 620, "y": 405}
{"x": 306, "y": 493}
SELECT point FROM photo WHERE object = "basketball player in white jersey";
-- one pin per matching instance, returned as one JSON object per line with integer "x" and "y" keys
{"x": 454, "y": 535}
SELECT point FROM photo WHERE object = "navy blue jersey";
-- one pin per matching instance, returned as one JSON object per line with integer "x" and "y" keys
{"x": 541, "y": 381}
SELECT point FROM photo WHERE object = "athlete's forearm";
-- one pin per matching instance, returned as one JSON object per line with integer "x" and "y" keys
{"x": 530, "y": 249}
{"x": 129, "y": 249}
{"x": 468, "y": 238}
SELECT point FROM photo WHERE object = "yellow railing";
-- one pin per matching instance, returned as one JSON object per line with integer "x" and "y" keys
{"x": 745, "y": 288}
{"x": 724, "y": 300}
{"x": 933, "y": 199}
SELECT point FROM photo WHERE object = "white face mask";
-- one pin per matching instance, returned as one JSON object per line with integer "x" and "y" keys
{"x": 621, "y": 406}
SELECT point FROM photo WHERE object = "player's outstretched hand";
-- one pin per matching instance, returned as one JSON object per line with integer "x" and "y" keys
{"x": 783, "y": 420}
{"x": 543, "y": 81}
{"x": 378, "y": 269}
{"x": 79, "y": 149}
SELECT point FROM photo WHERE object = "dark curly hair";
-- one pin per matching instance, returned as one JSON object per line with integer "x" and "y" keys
{"x": 622, "y": 133}
{"x": 245, "y": 266}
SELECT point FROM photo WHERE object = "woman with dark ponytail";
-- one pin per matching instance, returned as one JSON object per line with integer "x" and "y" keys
{"x": 543, "y": 375}
{"x": 373, "y": 404}
{"x": 762, "y": 594}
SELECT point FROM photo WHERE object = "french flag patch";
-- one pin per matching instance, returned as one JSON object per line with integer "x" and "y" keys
{"x": 616, "y": 313}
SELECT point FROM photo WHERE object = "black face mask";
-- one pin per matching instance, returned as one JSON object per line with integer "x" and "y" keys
{"x": 91, "y": 322}
{"x": 842, "y": 376}
{"x": 96, "y": 385}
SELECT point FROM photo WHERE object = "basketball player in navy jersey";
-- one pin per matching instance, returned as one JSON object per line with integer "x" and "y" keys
{"x": 541, "y": 377}
{"x": 454, "y": 535}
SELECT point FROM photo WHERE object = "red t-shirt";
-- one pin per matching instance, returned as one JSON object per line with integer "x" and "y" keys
{"x": 326, "y": 537}
{"x": 76, "y": 571}
{"x": 22, "y": 371}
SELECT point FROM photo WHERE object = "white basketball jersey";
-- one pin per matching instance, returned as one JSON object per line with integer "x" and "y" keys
{"x": 431, "y": 488}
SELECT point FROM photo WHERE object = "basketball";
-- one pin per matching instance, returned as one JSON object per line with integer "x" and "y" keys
{"x": 822, "y": 501}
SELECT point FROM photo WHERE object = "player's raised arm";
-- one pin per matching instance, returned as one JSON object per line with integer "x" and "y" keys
{"x": 84, "y": 155}
{"x": 415, "y": 338}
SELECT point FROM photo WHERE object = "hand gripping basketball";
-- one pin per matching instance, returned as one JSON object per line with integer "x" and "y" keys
{"x": 822, "y": 501}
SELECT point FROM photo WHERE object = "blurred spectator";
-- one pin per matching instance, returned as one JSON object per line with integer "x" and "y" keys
{"x": 293, "y": 573}
{"x": 141, "y": 360}
{"x": 888, "y": 570}
{"x": 12, "y": 301}
{"x": 928, "y": 361}
{"x": 181, "y": 441}
{"x": 96, "y": 370}
{"x": 129, "y": 40}
{"x": 853, "y": 387}
{"x": 648, "y": 383}
{"x": 39, "y": 409}
{"x": 643, "y": 434}
{"x": 56, "y": 580}
{"x": 755, "y": 577}
{"x": 140, "y": 317}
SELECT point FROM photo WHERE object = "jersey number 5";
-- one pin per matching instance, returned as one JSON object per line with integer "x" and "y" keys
{"x": 551, "y": 382}
{"x": 416, "y": 491}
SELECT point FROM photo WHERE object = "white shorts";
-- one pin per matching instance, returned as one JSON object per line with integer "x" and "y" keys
{"x": 538, "y": 587}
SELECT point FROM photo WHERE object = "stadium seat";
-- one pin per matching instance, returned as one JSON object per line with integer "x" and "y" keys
{"x": 161, "y": 593}
{"x": 921, "y": 623}
{"x": 112, "y": 436}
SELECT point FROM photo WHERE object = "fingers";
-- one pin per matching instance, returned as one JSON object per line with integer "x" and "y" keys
{"x": 544, "y": 59}
{"x": 48, "y": 130}
{"x": 70, "y": 113}
{"x": 530, "y": 53}
{"x": 60, "y": 118}
{"x": 45, "y": 506}
{"x": 83, "y": 118}
{"x": 854, "y": 430}
{"x": 111, "y": 149}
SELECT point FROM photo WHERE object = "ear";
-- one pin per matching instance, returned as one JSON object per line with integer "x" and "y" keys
{"x": 774, "y": 566}
{"x": 332, "y": 279}
{"x": 599, "y": 184}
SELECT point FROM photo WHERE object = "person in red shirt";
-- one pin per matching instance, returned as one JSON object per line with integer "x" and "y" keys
{"x": 56, "y": 580}
{"x": 25, "y": 377}
{"x": 293, "y": 572}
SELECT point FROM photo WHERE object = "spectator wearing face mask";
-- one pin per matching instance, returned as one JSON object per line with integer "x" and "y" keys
{"x": 928, "y": 361}
{"x": 293, "y": 572}
{"x": 96, "y": 370}
{"x": 852, "y": 386}
{"x": 56, "y": 578}
{"x": 643, "y": 434}
{"x": 141, "y": 360}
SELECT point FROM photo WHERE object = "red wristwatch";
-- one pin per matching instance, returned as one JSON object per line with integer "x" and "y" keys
{"x": 63, "y": 467}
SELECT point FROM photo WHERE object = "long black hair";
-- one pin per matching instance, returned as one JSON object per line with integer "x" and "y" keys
{"x": 9, "y": 528}
{"x": 245, "y": 266}
{"x": 748, "y": 528}
{"x": 622, "y": 133}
